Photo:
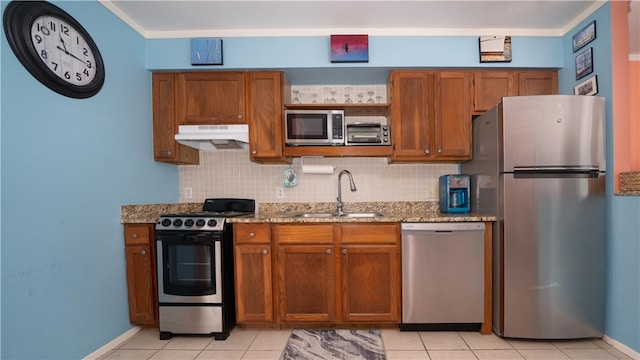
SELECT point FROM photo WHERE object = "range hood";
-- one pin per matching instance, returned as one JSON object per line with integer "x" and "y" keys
{"x": 214, "y": 137}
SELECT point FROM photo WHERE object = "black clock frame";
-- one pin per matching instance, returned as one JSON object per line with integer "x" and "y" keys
{"x": 17, "y": 20}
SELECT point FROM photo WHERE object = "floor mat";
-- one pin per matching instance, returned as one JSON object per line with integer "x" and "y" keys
{"x": 334, "y": 344}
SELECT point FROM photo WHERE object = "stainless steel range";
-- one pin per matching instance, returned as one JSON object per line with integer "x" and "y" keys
{"x": 195, "y": 269}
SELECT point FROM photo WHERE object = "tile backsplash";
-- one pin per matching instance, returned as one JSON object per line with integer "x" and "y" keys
{"x": 229, "y": 173}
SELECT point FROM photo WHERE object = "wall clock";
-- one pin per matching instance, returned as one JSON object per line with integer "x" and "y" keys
{"x": 54, "y": 48}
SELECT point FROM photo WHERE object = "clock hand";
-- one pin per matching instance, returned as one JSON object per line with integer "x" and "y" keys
{"x": 63, "y": 45}
{"x": 71, "y": 54}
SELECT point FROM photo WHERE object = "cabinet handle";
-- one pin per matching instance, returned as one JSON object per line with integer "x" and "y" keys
{"x": 264, "y": 252}
{"x": 328, "y": 251}
{"x": 134, "y": 236}
{"x": 166, "y": 153}
{"x": 254, "y": 152}
{"x": 427, "y": 151}
{"x": 252, "y": 235}
{"x": 439, "y": 151}
{"x": 239, "y": 116}
{"x": 143, "y": 252}
{"x": 344, "y": 251}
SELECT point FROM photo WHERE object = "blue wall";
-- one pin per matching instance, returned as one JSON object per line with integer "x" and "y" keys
{"x": 67, "y": 167}
{"x": 306, "y": 60}
{"x": 623, "y": 212}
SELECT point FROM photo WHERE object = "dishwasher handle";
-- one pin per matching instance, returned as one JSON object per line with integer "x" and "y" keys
{"x": 441, "y": 227}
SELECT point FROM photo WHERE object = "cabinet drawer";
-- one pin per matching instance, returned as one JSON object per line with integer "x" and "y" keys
{"x": 378, "y": 233}
{"x": 137, "y": 234}
{"x": 252, "y": 233}
{"x": 317, "y": 234}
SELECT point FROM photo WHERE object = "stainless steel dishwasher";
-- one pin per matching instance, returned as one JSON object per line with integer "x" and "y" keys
{"x": 442, "y": 276}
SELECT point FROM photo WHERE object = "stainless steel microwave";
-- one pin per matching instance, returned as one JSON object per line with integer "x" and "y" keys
{"x": 314, "y": 127}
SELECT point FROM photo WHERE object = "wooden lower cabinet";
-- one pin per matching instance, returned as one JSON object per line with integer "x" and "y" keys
{"x": 370, "y": 283}
{"x": 253, "y": 273}
{"x": 333, "y": 273}
{"x": 141, "y": 274}
{"x": 370, "y": 272}
{"x": 306, "y": 283}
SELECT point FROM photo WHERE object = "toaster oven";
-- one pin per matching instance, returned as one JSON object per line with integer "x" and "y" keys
{"x": 370, "y": 133}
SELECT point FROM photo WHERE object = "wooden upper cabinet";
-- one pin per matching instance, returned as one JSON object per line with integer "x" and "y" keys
{"x": 453, "y": 115}
{"x": 431, "y": 115}
{"x": 538, "y": 82}
{"x": 265, "y": 116}
{"x": 490, "y": 87}
{"x": 165, "y": 125}
{"x": 412, "y": 113}
{"x": 210, "y": 98}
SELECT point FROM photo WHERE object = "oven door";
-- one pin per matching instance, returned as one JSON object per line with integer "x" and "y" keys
{"x": 189, "y": 267}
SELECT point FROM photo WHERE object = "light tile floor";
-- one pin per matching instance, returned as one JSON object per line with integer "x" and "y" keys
{"x": 268, "y": 345}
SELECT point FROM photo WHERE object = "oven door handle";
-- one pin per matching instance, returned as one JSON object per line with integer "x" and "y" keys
{"x": 200, "y": 238}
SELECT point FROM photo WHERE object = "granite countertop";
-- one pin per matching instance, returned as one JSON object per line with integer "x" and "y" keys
{"x": 405, "y": 211}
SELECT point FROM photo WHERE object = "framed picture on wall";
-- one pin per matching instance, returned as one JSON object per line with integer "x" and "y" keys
{"x": 206, "y": 51}
{"x": 584, "y": 63}
{"x": 495, "y": 48}
{"x": 587, "y": 87}
{"x": 349, "y": 48}
{"x": 586, "y": 35}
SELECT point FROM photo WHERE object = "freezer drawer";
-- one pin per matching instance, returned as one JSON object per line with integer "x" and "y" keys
{"x": 442, "y": 273}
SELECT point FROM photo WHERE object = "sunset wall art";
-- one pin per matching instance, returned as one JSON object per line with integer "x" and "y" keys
{"x": 349, "y": 48}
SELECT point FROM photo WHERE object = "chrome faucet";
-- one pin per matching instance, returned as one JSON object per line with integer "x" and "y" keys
{"x": 352, "y": 186}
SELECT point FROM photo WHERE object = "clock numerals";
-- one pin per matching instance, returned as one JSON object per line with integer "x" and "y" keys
{"x": 63, "y": 50}
{"x": 54, "y": 48}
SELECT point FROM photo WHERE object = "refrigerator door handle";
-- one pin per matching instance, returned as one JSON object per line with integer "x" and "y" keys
{"x": 557, "y": 168}
{"x": 541, "y": 174}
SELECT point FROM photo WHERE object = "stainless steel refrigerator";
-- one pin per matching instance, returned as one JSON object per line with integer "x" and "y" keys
{"x": 539, "y": 166}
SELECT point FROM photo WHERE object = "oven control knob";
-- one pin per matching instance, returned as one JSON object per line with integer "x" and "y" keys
{"x": 177, "y": 222}
{"x": 188, "y": 223}
{"x": 200, "y": 223}
{"x": 166, "y": 222}
{"x": 212, "y": 222}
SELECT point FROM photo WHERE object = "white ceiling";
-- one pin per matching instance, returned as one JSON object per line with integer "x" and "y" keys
{"x": 232, "y": 18}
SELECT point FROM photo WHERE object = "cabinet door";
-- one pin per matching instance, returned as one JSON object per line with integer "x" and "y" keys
{"x": 210, "y": 98}
{"x": 265, "y": 116}
{"x": 254, "y": 290}
{"x": 453, "y": 116}
{"x": 412, "y": 114}
{"x": 306, "y": 283}
{"x": 141, "y": 284}
{"x": 165, "y": 127}
{"x": 370, "y": 283}
{"x": 538, "y": 82}
{"x": 253, "y": 273}
{"x": 490, "y": 87}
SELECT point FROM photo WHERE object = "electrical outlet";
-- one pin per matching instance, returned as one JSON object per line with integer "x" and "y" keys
{"x": 188, "y": 193}
{"x": 280, "y": 192}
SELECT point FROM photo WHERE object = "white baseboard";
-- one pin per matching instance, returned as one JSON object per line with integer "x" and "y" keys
{"x": 622, "y": 347}
{"x": 112, "y": 344}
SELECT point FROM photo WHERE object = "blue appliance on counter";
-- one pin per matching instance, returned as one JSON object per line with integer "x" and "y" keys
{"x": 454, "y": 193}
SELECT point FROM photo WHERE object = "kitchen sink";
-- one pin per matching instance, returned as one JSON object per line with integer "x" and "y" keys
{"x": 335, "y": 215}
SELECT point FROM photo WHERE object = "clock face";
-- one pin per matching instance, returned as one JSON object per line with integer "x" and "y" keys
{"x": 54, "y": 47}
{"x": 63, "y": 50}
